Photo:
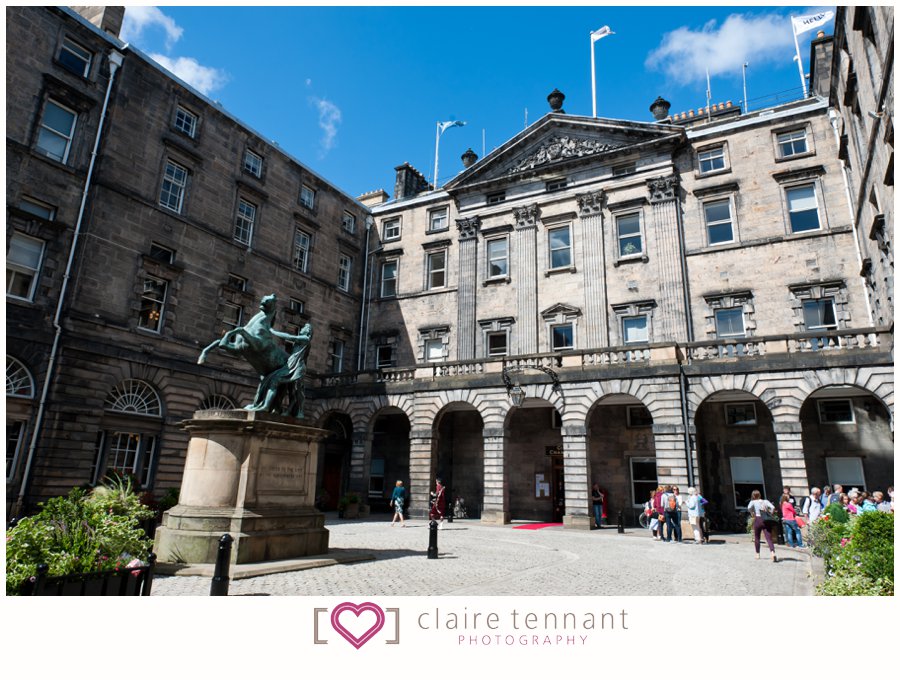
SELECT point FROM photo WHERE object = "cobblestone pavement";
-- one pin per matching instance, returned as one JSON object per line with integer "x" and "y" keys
{"x": 487, "y": 560}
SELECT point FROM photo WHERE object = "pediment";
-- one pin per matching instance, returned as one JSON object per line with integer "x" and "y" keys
{"x": 558, "y": 141}
{"x": 560, "y": 309}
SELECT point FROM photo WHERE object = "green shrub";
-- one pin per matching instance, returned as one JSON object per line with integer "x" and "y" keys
{"x": 827, "y": 538}
{"x": 870, "y": 550}
{"x": 837, "y": 513}
{"x": 853, "y": 584}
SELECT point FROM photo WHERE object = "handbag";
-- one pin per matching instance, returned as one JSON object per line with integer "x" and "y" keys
{"x": 801, "y": 522}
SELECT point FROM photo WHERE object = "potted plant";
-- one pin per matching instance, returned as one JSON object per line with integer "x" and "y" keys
{"x": 348, "y": 506}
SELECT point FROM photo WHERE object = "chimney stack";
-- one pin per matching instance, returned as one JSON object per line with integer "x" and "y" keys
{"x": 107, "y": 19}
{"x": 409, "y": 182}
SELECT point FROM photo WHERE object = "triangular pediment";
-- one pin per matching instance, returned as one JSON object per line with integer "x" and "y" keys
{"x": 560, "y": 309}
{"x": 558, "y": 141}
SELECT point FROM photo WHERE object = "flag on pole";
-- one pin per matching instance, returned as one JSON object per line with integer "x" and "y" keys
{"x": 450, "y": 124}
{"x": 810, "y": 21}
{"x": 601, "y": 32}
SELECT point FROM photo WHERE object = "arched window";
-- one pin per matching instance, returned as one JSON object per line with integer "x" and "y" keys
{"x": 217, "y": 402}
{"x": 133, "y": 396}
{"x": 19, "y": 386}
{"x": 19, "y": 382}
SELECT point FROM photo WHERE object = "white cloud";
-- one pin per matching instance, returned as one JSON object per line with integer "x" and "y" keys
{"x": 685, "y": 54}
{"x": 203, "y": 78}
{"x": 137, "y": 19}
{"x": 329, "y": 119}
{"x": 308, "y": 82}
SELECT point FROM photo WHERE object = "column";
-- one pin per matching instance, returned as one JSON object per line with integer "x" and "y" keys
{"x": 360, "y": 457}
{"x": 421, "y": 478}
{"x": 524, "y": 278}
{"x": 789, "y": 437}
{"x": 467, "y": 283}
{"x": 670, "y": 317}
{"x": 671, "y": 457}
{"x": 577, "y": 478}
{"x": 496, "y": 490}
{"x": 594, "y": 333}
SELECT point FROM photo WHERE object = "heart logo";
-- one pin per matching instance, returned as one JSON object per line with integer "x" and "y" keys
{"x": 357, "y": 609}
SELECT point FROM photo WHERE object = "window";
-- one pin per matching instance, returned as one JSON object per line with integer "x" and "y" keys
{"x": 439, "y": 219}
{"x": 740, "y": 413}
{"x": 718, "y": 221}
{"x": 635, "y": 329}
{"x": 384, "y": 356}
{"x": 185, "y": 121}
{"x": 296, "y": 306}
{"x": 19, "y": 382}
{"x": 133, "y": 396}
{"x": 153, "y": 300}
{"x": 730, "y": 323}
{"x": 496, "y": 197}
{"x": 73, "y": 57}
{"x": 711, "y": 160}
{"x": 835, "y": 411}
{"x": 217, "y": 402}
{"x": 562, "y": 337}
{"x": 243, "y": 224}
{"x": 434, "y": 349}
{"x": 437, "y": 269}
{"x": 161, "y": 253}
{"x": 628, "y": 228}
{"x": 345, "y": 266}
{"x": 56, "y": 131}
{"x": 376, "y": 477}
{"x": 15, "y": 434}
{"x": 23, "y": 263}
{"x": 171, "y": 193}
{"x": 336, "y": 352}
{"x": 390, "y": 229}
{"x": 638, "y": 416}
{"x": 232, "y": 316}
{"x": 348, "y": 223}
{"x": 126, "y": 453}
{"x": 498, "y": 344}
{"x": 253, "y": 163}
{"x": 389, "y": 278}
{"x": 498, "y": 258}
{"x": 307, "y": 197}
{"x": 643, "y": 479}
{"x": 819, "y": 314}
{"x": 624, "y": 169}
{"x": 848, "y": 472}
{"x": 747, "y": 477}
{"x": 38, "y": 208}
{"x": 803, "y": 209}
{"x": 560, "y": 241}
{"x": 792, "y": 143}
{"x": 236, "y": 282}
{"x": 555, "y": 185}
{"x": 301, "y": 250}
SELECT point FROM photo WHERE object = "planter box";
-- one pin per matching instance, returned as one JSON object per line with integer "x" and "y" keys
{"x": 124, "y": 581}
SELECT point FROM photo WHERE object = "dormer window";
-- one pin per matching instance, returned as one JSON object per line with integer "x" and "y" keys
{"x": 496, "y": 197}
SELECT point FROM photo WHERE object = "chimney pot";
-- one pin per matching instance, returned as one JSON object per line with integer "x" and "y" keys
{"x": 469, "y": 158}
{"x": 555, "y": 100}
{"x": 660, "y": 108}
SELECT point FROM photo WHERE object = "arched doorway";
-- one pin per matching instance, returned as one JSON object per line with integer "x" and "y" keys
{"x": 389, "y": 461}
{"x": 459, "y": 455}
{"x": 334, "y": 461}
{"x": 534, "y": 462}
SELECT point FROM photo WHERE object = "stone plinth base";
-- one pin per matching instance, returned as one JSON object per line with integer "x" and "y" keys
{"x": 494, "y": 517}
{"x": 250, "y": 475}
{"x": 578, "y": 522}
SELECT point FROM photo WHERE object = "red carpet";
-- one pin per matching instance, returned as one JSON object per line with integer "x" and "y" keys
{"x": 539, "y": 526}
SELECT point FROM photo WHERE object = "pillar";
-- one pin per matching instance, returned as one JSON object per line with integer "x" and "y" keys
{"x": 789, "y": 437}
{"x": 496, "y": 490}
{"x": 595, "y": 332}
{"x": 670, "y": 318}
{"x": 671, "y": 456}
{"x": 577, "y": 478}
{"x": 421, "y": 476}
{"x": 525, "y": 277}
{"x": 360, "y": 459}
{"x": 467, "y": 284}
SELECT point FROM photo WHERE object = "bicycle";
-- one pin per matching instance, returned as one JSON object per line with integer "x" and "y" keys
{"x": 459, "y": 509}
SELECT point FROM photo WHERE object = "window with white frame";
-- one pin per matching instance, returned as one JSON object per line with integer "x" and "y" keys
{"x": 153, "y": 301}
{"x": 243, "y": 223}
{"x": 389, "y": 278}
{"x": 345, "y": 269}
{"x": 497, "y": 343}
{"x": 232, "y": 315}
{"x": 434, "y": 349}
{"x": 643, "y": 479}
{"x": 719, "y": 227}
{"x": 307, "y": 197}
{"x": 820, "y": 306}
{"x": 439, "y": 219}
{"x": 23, "y": 264}
{"x": 38, "y": 208}
{"x": 302, "y": 242}
{"x": 638, "y": 416}
{"x": 185, "y": 121}
{"x": 740, "y": 413}
{"x": 562, "y": 337}
{"x": 803, "y": 208}
{"x": 253, "y": 163}
{"x": 833, "y": 411}
{"x": 15, "y": 436}
{"x": 711, "y": 160}
{"x": 236, "y": 282}
{"x": 19, "y": 382}
{"x": 162, "y": 254}
{"x": 336, "y": 352}
{"x": 819, "y": 314}
{"x": 624, "y": 169}
{"x": 555, "y": 184}
{"x": 497, "y": 258}
{"x": 730, "y": 323}
{"x": 496, "y": 197}
{"x": 171, "y": 192}
{"x": 390, "y": 229}
{"x": 384, "y": 356}
{"x": 75, "y": 58}
{"x": 559, "y": 241}
{"x": 846, "y": 471}
{"x": 296, "y": 306}
{"x": 436, "y": 269}
{"x": 495, "y": 336}
{"x": 217, "y": 402}
{"x": 746, "y": 477}
{"x": 56, "y": 131}
{"x": 348, "y": 223}
{"x": 628, "y": 232}
{"x": 792, "y": 143}
{"x": 125, "y": 453}
{"x": 635, "y": 329}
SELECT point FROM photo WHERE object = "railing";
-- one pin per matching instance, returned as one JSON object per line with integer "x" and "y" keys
{"x": 726, "y": 349}
{"x": 836, "y": 340}
{"x": 614, "y": 356}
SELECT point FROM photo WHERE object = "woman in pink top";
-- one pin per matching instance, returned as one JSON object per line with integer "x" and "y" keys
{"x": 789, "y": 520}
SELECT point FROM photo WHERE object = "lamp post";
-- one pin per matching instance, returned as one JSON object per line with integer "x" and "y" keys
{"x": 515, "y": 391}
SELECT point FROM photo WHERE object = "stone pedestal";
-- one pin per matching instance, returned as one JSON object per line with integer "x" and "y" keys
{"x": 251, "y": 475}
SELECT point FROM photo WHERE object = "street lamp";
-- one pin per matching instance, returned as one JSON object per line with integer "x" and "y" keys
{"x": 515, "y": 391}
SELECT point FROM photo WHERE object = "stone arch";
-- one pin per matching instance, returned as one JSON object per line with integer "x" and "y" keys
{"x": 458, "y": 454}
{"x": 877, "y": 381}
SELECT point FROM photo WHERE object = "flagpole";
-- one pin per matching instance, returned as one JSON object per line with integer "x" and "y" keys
{"x": 799, "y": 58}
{"x": 708, "y": 97}
{"x": 744, "y": 72}
{"x": 437, "y": 137}
{"x": 593, "y": 78}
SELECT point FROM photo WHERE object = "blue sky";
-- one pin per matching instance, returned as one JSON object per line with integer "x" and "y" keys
{"x": 354, "y": 91}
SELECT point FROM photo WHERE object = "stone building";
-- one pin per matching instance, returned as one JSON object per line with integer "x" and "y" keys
{"x": 678, "y": 300}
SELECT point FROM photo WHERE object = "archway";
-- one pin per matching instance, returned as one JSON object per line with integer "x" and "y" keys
{"x": 534, "y": 462}
{"x": 459, "y": 455}
{"x": 334, "y": 461}
{"x": 389, "y": 460}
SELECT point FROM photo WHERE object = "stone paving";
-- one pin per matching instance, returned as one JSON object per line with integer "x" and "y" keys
{"x": 488, "y": 560}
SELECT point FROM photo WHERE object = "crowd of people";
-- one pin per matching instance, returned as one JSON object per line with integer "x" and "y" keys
{"x": 666, "y": 505}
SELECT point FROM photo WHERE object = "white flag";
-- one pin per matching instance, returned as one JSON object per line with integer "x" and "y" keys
{"x": 811, "y": 21}
{"x": 601, "y": 32}
{"x": 450, "y": 124}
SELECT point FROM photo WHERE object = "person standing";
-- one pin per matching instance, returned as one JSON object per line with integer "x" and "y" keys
{"x": 789, "y": 520}
{"x": 659, "y": 513}
{"x": 398, "y": 500}
{"x": 834, "y": 496}
{"x": 761, "y": 510}
{"x": 672, "y": 505}
{"x": 597, "y": 498}
{"x": 695, "y": 503}
{"x": 438, "y": 503}
{"x": 812, "y": 506}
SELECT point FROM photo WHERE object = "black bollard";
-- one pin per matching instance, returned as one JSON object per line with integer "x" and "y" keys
{"x": 621, "y": 523}
{"x": 220, "y": 580}
{"x": 432, "y": 540}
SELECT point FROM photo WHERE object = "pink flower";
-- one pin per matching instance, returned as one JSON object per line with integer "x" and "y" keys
{"x": 844, "y": 541}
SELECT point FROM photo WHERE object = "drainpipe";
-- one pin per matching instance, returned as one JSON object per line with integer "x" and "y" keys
{"x": 689, "y": 327}
{"x": 115, "y": 61}
{"x": 361, "y": 353}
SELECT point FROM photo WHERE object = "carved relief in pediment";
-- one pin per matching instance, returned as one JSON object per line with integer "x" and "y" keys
{"x": 561, "y": 147}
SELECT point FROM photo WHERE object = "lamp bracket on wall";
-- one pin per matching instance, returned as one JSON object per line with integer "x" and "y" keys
{"x": 514, "y": 389}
